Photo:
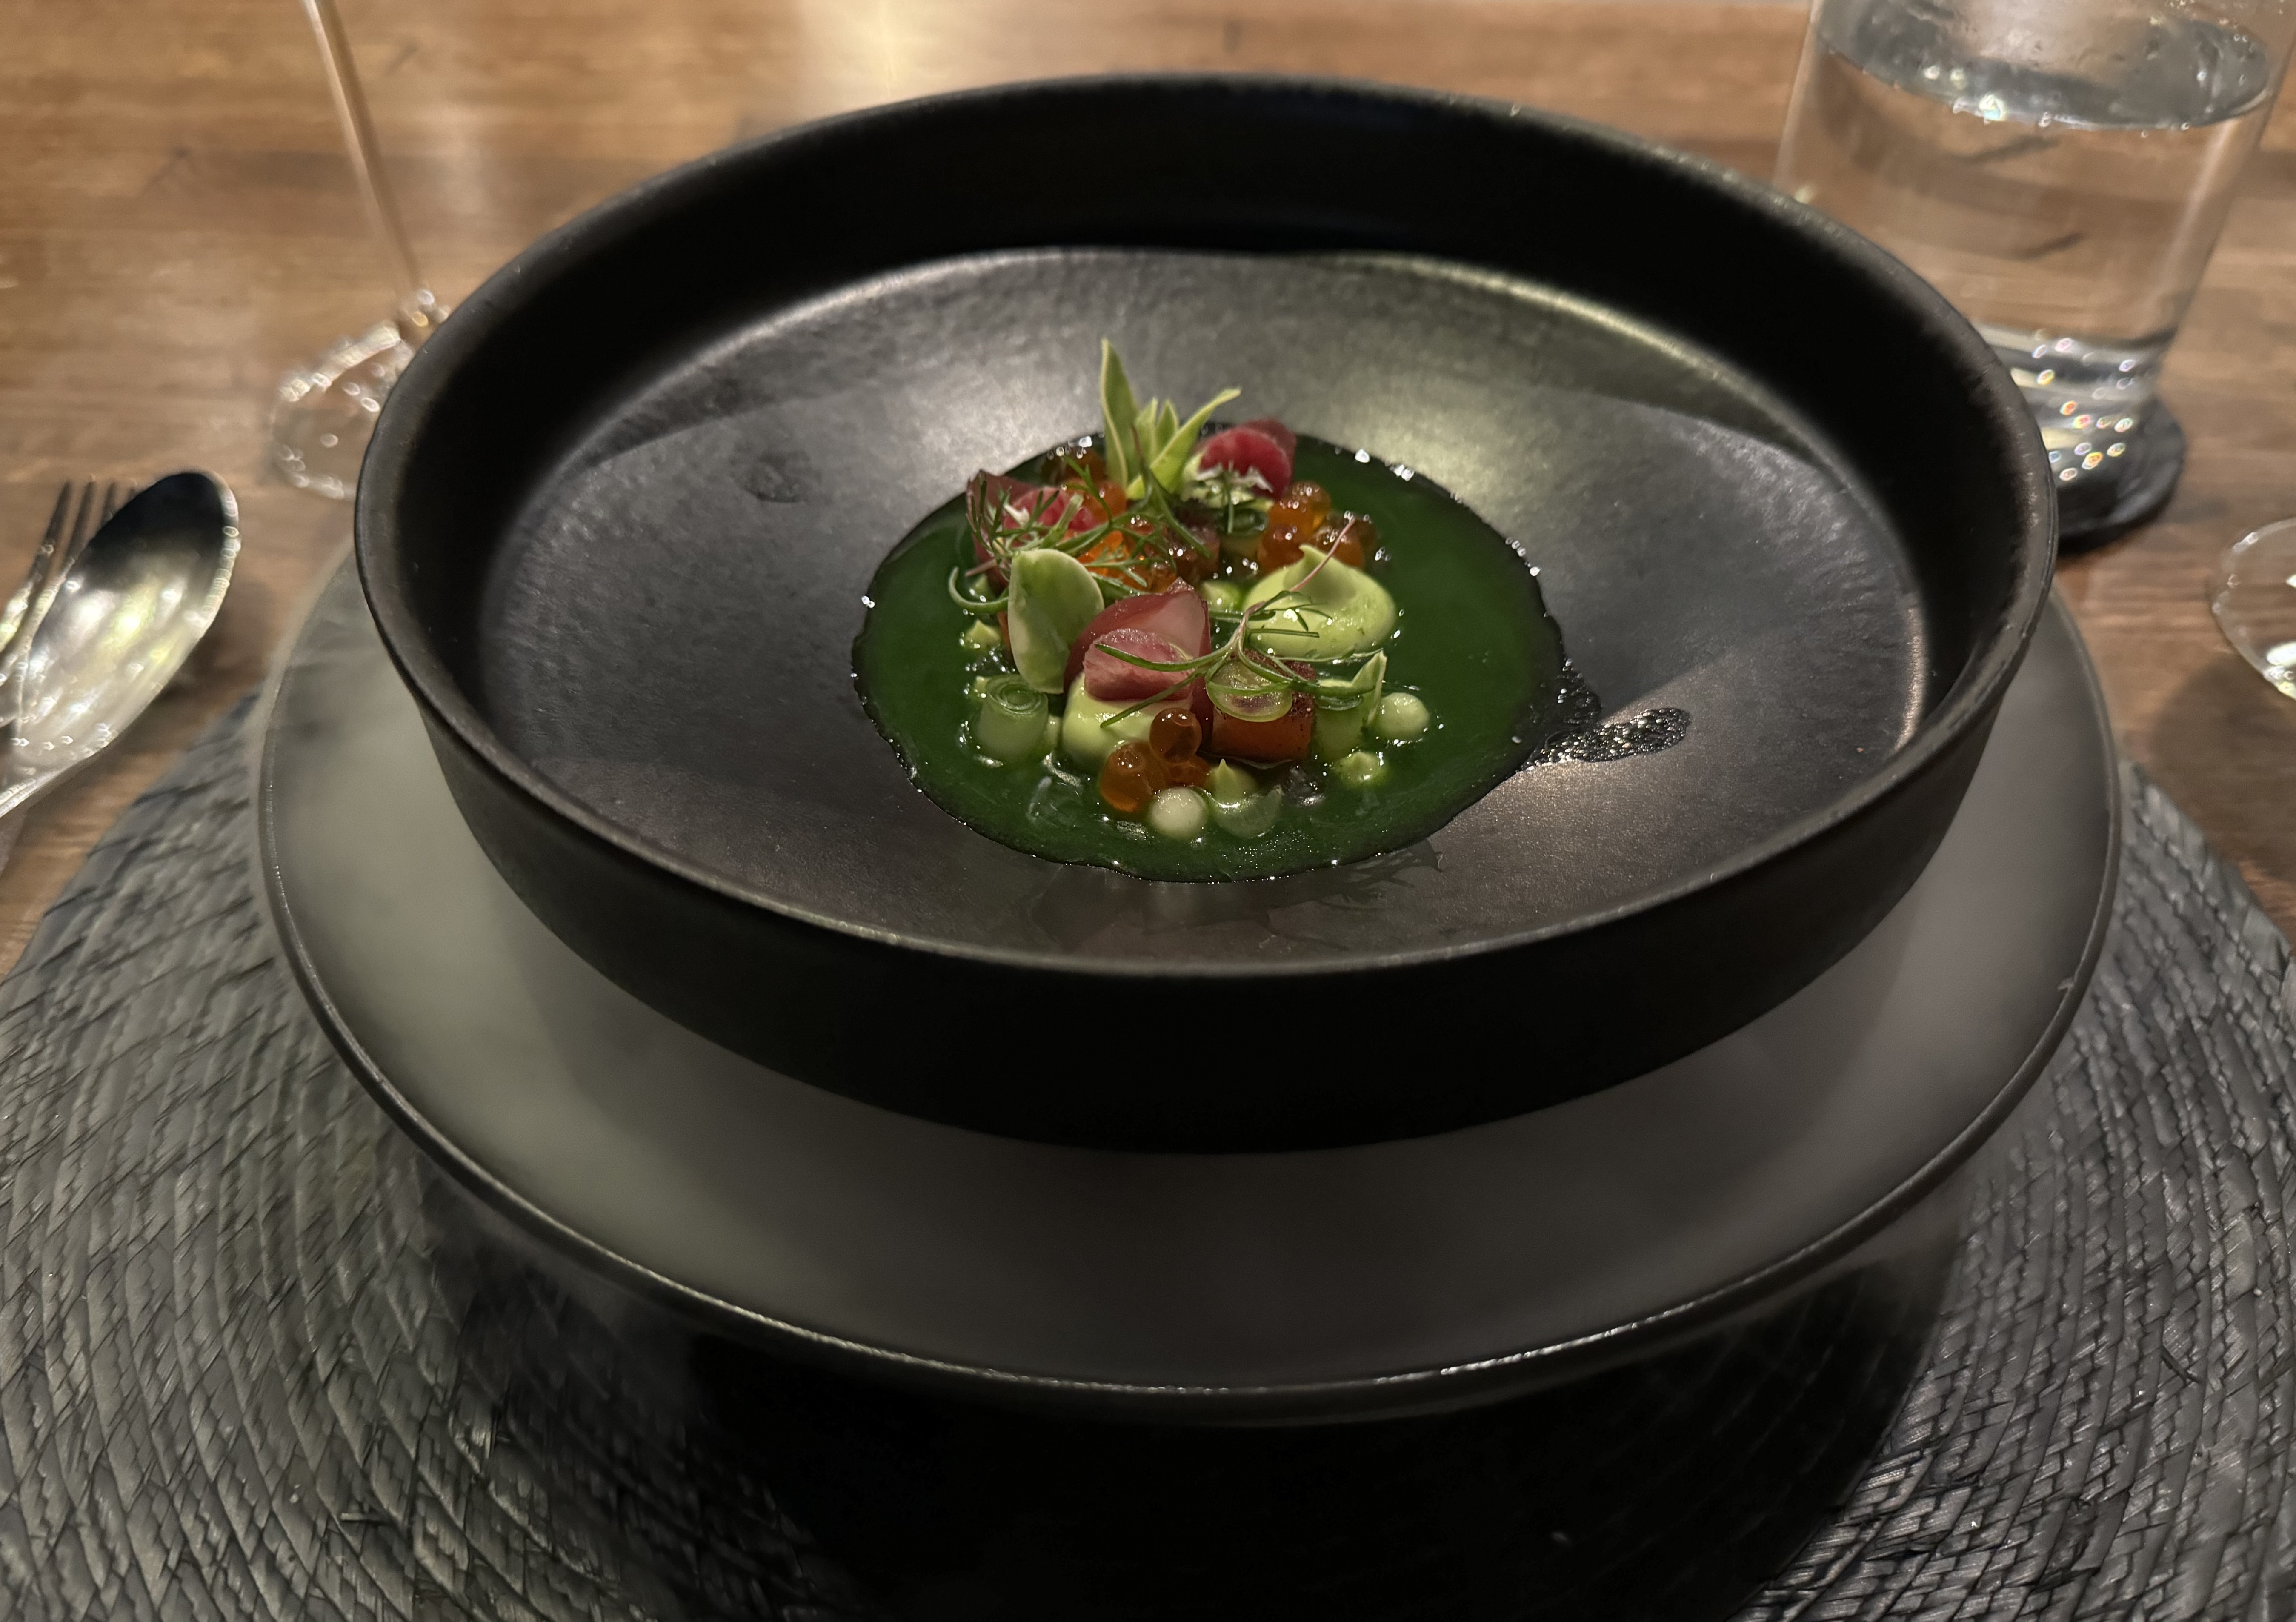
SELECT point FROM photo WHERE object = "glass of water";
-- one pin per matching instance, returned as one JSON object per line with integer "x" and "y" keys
{"x": 2059, "y": 170}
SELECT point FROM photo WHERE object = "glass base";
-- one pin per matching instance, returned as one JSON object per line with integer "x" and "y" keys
{"x": 327, "y": 409}
{"x": 2126, "y": 492}
{"x": 2254, "y": 601}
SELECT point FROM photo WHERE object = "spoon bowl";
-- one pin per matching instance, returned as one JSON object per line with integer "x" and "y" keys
{"x": 126, "y": 614}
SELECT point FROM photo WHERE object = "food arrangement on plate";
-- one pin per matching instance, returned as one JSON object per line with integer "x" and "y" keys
{"x": 1201, "y": 653}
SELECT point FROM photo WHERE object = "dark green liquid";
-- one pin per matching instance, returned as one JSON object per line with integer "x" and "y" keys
{"x": 1473, "y": 639}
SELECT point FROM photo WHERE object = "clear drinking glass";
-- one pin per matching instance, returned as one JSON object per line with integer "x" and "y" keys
{"x": 2253, "y": 597}
{"x": 326, "y": 407}
{"x": 2060, "y": 170}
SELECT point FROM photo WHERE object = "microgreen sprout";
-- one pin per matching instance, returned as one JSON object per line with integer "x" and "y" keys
{"x": 1124, "y": 552}
{"x": 1232, "y": 493}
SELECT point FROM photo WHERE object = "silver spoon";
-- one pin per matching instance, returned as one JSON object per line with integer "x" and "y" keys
{"x": 128, "y": 612}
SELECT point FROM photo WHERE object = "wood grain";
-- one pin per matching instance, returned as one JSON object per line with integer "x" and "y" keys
{"x": 177, "y": 228}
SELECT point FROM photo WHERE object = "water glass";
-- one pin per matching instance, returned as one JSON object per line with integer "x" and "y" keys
{"x": 2059, "y": 170}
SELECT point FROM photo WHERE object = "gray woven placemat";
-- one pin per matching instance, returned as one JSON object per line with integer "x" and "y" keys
{"x": 255, "y": 1362}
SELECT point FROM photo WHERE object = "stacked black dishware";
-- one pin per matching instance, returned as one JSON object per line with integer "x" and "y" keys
{"x": 1579, "y": 1263}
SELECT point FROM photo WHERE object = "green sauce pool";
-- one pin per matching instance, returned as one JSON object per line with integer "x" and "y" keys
{"x": 1472, "y": 640}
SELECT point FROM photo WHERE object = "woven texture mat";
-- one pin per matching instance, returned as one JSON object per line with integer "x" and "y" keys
{"x": 257, "y": 1362}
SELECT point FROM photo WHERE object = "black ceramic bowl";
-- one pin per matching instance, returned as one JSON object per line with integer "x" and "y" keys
{"x": 618, "y": 516}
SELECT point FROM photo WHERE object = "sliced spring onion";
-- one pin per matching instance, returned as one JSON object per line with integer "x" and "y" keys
{"x": 1009, "y": 724}
{"x": 1248, "y": 693}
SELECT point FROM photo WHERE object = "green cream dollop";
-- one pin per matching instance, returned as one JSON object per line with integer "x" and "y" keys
{"x": 1084, "y": 741}
{"x": 1356, "y": 612}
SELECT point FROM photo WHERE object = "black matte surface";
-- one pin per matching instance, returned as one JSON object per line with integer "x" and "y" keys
{"x": 673, "y": 649}
{"x": 1377, "y": 1278}
{"x": 257, "y": 1365}
{"x": 627, "y": 612}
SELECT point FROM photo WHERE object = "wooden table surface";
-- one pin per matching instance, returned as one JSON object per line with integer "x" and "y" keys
{"x": 177, "y": 228}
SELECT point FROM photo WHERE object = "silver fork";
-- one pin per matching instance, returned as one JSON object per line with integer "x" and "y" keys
{"x": 69, "y": 525}
{"x": 80, "y": 511}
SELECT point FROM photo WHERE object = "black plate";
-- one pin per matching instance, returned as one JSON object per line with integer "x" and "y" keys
{"x": 1379, "y": 1278}
{"x": 619, "y": 517}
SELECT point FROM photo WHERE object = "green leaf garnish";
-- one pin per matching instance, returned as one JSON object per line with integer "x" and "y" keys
{"x": 1147, "y": 443}
{"x": 1169, "y": 465}
{"x": 1117, "y": 412}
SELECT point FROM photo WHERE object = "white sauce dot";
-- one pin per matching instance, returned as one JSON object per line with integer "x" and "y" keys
{"x": 1177, "y": 814}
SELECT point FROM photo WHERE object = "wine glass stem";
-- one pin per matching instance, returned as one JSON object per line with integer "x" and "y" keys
{"x": 358, "y": 137}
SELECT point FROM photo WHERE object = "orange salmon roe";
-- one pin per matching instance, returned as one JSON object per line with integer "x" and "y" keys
{"x": 1131, "y": 776}
{"x": 1294, "y": 520}
{"x": 1351, "y": 541}
{"x": 1175, "y": 734}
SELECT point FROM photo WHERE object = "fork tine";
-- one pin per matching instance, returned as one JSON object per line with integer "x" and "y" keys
{"x": 84, "y": 525}
{"x": 12, "y": 615}
{"x": 111, "y": 499}
{"x": 48, "y": 569}
{"x": 87, "y": 518}
{"x": 55, "y": 530}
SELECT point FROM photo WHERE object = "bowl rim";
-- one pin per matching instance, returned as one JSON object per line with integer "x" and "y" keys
{"x": 1967, "y": 702}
